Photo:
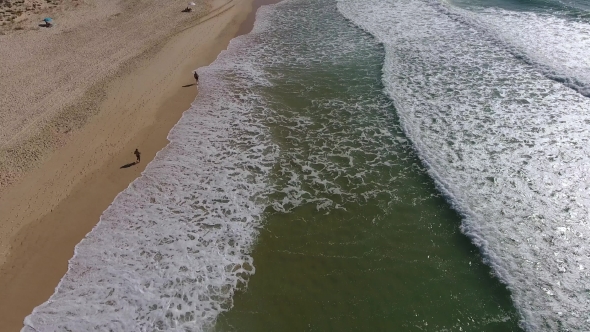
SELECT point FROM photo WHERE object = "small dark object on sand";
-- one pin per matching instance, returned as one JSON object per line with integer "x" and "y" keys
{"x": 138, "y": 155}
{"x": 48, "y": 21}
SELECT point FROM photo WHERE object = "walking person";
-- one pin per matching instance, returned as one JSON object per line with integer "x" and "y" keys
{"x": 196, "y": 77}
{"x": 138, "y": 155}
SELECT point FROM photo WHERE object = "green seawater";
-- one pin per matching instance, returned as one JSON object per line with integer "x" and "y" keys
{"x": 357, "y": 237}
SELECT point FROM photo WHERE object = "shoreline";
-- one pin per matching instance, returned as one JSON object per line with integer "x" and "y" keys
{"x": 40, "y": 251}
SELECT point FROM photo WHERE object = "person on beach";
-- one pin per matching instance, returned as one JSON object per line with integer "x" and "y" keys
{"x": 138, "y": 155}
{"x": 196, "y": 77}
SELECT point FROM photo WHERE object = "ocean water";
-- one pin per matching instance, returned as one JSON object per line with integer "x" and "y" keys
{"x": 504, "y": 138}
{"x": 376, "y": 165}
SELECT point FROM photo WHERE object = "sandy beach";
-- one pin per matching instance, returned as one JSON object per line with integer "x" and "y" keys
{"x": 79, "y": 99}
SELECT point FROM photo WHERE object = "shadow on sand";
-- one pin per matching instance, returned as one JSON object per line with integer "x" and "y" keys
{"x": 129, "y": 165}
{"x": 186, "y": 86}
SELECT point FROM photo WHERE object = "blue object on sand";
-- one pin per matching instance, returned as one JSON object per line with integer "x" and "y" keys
{"x": 48, "y": 19}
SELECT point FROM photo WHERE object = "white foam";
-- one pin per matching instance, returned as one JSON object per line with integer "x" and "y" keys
{"x": 172, "y": 248}
{"x": 557, "y": 46}
{"x": 508, "y": 146}
{"x": 339, "y": 147}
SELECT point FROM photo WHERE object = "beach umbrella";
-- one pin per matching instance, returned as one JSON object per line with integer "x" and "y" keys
{"x": 48, "y": 19}
{"x": 191, "y": 3}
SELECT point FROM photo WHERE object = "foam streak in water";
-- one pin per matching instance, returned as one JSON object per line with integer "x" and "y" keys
{"x": 509, "y": 147}
{"x": 557, "y": 46}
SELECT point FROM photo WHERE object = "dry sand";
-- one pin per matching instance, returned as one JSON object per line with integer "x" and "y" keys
{"x": 77, "y": 100}
{"x": 52, "y": 77}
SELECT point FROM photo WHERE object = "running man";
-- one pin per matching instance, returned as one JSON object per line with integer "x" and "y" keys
{"x": 138, "y": 155}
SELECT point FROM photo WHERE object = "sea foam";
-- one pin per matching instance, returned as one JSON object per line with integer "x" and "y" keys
{"x": 557, "y": 46}
{"x": 508, "y": 146}
{"x": 173, "y": 247}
